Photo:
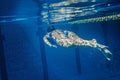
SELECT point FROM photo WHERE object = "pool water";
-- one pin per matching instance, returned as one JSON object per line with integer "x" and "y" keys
{"x": 25, "y": 56}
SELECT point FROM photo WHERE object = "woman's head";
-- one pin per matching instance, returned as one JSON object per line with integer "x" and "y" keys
{"x": 50, "y": 28}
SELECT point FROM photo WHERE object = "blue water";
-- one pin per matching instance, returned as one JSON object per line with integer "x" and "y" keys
{"x": 24, "y": 55}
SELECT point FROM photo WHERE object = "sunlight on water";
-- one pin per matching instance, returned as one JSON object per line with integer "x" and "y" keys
{"x": 71, "y": 11}
{"x": 5, "y": 19}
{"x": 69, "y": 2}
{"x": 57, "y": 12}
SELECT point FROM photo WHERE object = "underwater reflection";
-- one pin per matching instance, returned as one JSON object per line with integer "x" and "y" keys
{"x": 68, "y": 11}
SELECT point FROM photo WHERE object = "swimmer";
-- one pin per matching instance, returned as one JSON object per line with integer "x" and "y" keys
{"x": 66, "y": 38}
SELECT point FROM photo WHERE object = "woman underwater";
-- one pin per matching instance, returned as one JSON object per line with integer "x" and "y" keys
{"x": 65, "y": 38}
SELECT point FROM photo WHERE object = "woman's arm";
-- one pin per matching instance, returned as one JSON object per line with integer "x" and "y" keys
{"x": 45, "y": 38}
